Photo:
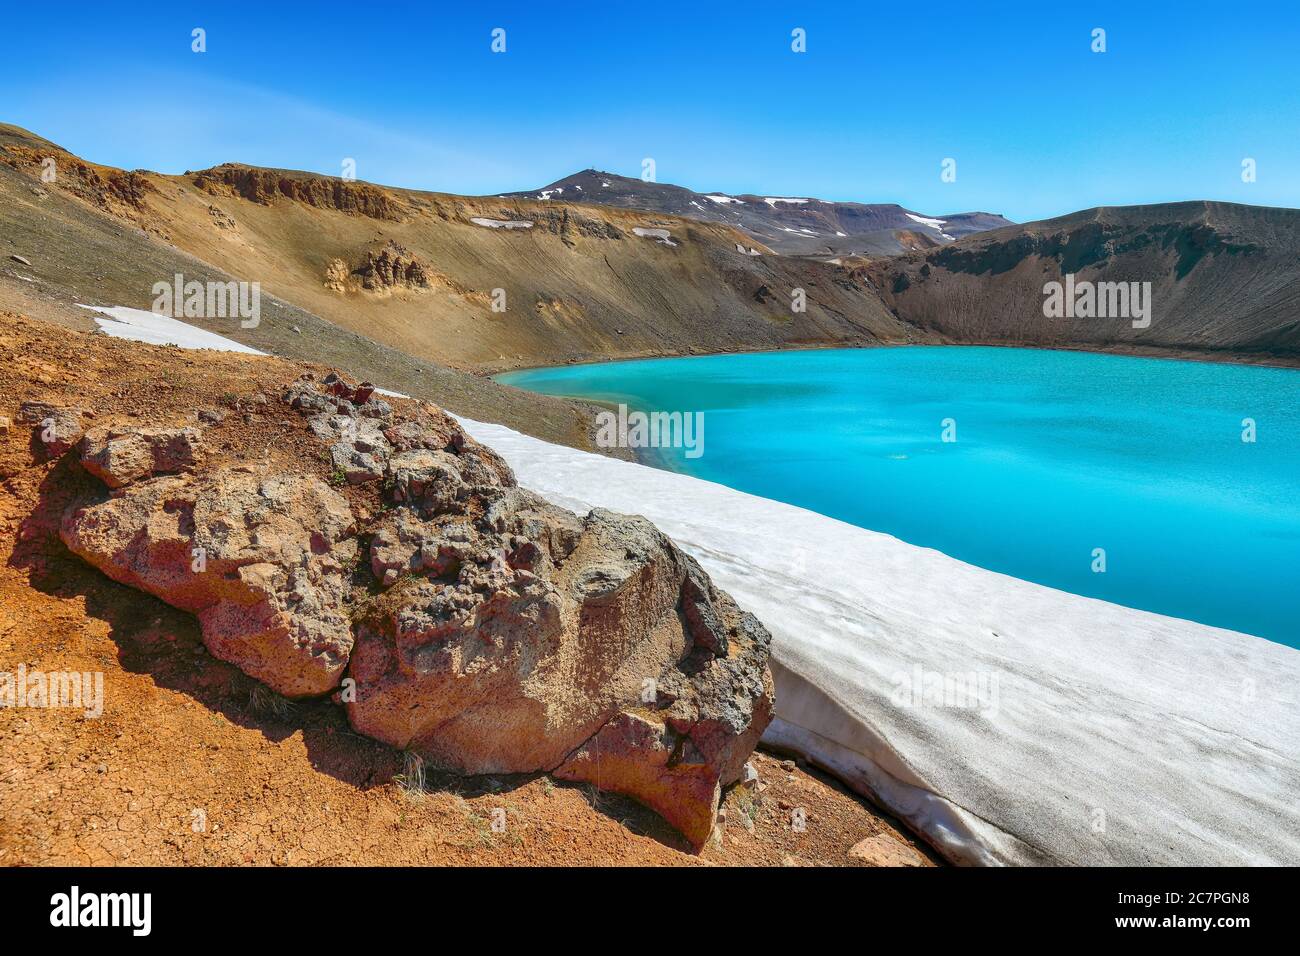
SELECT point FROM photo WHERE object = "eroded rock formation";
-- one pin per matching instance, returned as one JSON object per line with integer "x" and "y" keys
{"x": 114, "y": 190}
{"x": 391, "y": 267}
{"x": 480, "y": 626}
{"x": 58, "y": 429}
{"x": 385, "y": 268}
{"x": 119, "y": 456}
{"x": 266, "y": 186}
{"x": 261, "y": 560}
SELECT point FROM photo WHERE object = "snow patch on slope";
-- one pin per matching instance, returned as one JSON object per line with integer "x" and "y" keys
{"x": 501, "y": 223}
{"x": 141, "y": 326}
{"x": 935, "y": 224}
{"x": 663, "y": 235}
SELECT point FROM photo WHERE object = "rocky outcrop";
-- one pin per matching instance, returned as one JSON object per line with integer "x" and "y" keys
{"x": 117, "y": 191}
{"x": 266, "y": 186}
{"x": 481, "y": 626}
{"x": 391, "y": 267}
{"x": 119, "y": 456}
{"x": 58, "y": 429}
{"x": 221, "y": 219}
{"x": 386, "y": 268}
{"x": 262, "y": 560}
{"x": 338, "y": 277}
{"x": 516, "y": 637}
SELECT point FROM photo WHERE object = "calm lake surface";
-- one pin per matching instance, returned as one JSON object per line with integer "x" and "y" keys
{"x": 1056, "y": 454}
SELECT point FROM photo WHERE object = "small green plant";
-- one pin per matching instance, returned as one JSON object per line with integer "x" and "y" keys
{"x": 338, "y": 479}
{"x": 747, "y": 804}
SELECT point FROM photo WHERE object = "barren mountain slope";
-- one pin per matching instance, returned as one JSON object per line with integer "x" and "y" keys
{"x": 414, "y": 279}
{"x": 77, "y": 252}
{"x": 1225, "y": 281}
{"x": 414, "y": 271}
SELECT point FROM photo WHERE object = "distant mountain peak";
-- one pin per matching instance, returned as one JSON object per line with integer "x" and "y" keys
{"x": 792, "y": 225}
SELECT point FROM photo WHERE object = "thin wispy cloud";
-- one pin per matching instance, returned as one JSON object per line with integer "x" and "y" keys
{"x": 154, "y": 123}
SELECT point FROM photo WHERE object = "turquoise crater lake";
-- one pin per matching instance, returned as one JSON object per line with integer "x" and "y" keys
{"x": 1057, "y": 454}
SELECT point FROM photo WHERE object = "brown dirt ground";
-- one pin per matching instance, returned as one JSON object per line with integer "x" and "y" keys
{"x": 193, "y": 763}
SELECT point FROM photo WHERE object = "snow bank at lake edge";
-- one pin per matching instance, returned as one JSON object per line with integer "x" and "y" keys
{"x": 1121, "y": 737}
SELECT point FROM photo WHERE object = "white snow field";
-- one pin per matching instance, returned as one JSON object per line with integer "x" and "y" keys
{"x": 935, "y": 224}
{"x": 1090, "y": 733}
{"x": 663, "y": 235}
{"x": 501, "y": 223}
{"x": 139, "y": 325}
{"x": 1004, "y": 721}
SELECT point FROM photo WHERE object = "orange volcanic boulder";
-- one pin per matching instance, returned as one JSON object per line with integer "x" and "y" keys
{"x": 479, "y": 625}
{"x": 260, "y": 559}
{"x": 119, "y": 456}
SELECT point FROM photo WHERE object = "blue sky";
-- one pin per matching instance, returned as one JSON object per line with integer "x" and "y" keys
{"x": 1038, "y": 124}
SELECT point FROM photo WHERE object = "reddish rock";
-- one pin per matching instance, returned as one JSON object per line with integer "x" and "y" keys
{"x": 119, "y": 456}
{"x": 530, "y": 639}
{"x": 58, "y": 429}
{"x": 884, "y": 850}
{"x": 260, "y": 559}
{"x": 507, "y": 635}
{"x": 638, "y": 755}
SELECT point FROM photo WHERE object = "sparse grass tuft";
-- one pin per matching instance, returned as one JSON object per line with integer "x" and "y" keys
{"x": 411, "y": 780}
{"x": 747, "y": 803}
{"x": 267, "y": 703}
{"x": 599, "y": 799}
